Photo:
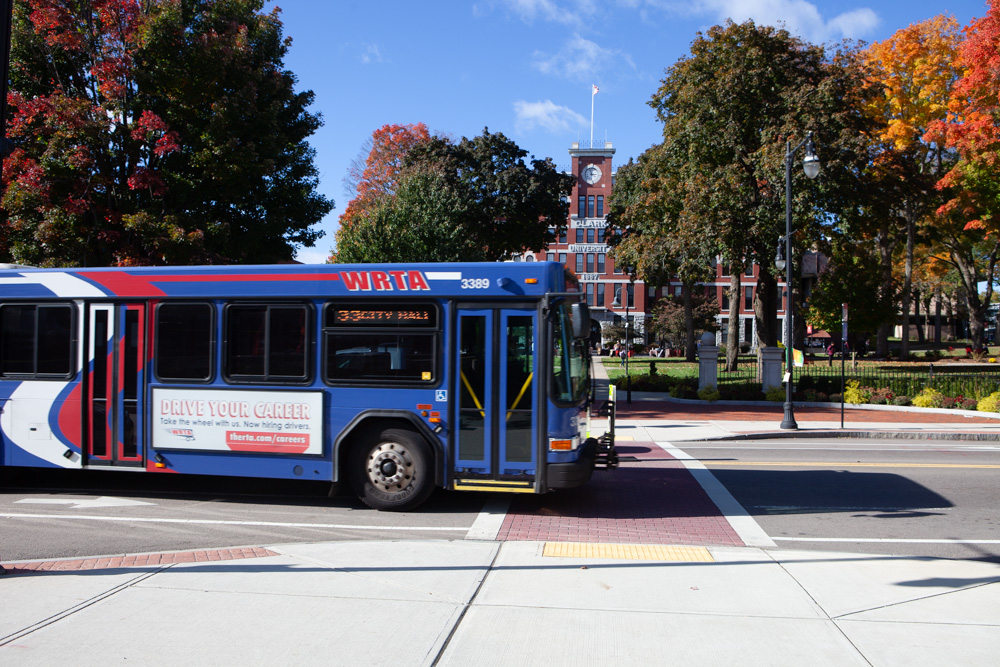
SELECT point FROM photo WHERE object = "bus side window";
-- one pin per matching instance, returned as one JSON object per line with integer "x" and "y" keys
{"x": 36, "y": 341}
{"x": 184, "y": 341}
{"x": 267, "y": 343}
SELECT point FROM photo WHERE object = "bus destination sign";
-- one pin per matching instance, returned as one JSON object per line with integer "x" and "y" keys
{"x": 347, "y": 316}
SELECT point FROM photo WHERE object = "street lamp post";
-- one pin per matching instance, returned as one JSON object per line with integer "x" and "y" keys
{"x": 628, "y": 340}
{"x": 810, "y": 164}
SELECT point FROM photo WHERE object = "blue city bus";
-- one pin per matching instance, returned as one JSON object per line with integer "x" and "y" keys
{"x": 397, "y": 379}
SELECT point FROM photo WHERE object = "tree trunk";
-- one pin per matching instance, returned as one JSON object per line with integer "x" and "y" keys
{"x": 921, "y": 338}
{"x": 765, "y": 309}
{"x": 937, "y": 315}
{"x": 733, "y": 326}
{"x": 691, "y": 349}
{"x": 911, "y": 229}
{"x": 885, "y": 247}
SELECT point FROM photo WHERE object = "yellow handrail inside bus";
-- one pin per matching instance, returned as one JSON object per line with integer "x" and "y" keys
{"x": 472, "y": 393}
{"x": 517, "y": 400}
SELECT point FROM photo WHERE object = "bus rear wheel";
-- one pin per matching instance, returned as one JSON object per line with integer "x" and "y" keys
{"x": 392, "y": 472}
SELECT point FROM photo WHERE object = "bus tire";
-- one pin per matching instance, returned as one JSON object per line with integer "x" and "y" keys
{"x": 393, "y": 471}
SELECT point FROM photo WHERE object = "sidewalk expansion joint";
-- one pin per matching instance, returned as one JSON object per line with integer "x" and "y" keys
{"x": 627, "y": 552}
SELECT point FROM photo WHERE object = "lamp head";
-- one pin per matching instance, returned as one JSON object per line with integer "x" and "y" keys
{"x": 779, "y": 258}
{"x": 810, "y": 163}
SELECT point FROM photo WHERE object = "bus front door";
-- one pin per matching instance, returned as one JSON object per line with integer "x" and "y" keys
{"x": 116, "y": 353}
{"x": 496, "y": 382}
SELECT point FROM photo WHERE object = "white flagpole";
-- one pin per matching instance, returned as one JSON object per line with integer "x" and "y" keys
{"x": 593, "y": 91}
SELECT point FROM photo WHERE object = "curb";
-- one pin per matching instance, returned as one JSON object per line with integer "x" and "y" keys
{"x": 880, "y": 435}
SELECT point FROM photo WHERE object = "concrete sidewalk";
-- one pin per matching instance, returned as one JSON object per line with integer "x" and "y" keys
{"x": 489, "y": 603}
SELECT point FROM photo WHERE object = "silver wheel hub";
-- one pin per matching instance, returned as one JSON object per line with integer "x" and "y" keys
{"x": 390, "y": 467}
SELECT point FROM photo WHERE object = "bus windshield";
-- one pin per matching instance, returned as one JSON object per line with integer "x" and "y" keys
{"x": 570, "y": 364}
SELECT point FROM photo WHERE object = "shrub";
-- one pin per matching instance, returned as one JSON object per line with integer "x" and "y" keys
{"x": 949, "y": 401}
{"x": 928, "y": 398}
{"x": 967, "y": 404}
{"x": 901, "y": 400}
{"x": 855, "y": 393}
{"x": 709, "y": 393}
{"x": 882, "y": 396}
{"x": 775, "y": 394}
{"x": 989, "y": 404}
{"x": 835, "y": 398}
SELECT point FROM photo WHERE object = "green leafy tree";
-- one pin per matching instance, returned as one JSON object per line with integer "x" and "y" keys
{"x": 729, "y": 110}
{"x": 854, "y": 277}
{"x": 647, "y": 232}
{"x": 153, "y": 132}
{"x": 674, "y": 317}
{"x": 475, "y": 200}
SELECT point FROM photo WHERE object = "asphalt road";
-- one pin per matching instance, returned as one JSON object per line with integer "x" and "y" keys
{"x": 54, "y": 514}
{"x": 920, "y": 498}
{"x": 893, "y": 497}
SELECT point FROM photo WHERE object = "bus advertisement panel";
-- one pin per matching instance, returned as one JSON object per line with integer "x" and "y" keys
{"x": 266, "y": 422}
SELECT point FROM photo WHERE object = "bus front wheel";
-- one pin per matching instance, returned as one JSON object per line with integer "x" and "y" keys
{"x": 393, "y": 471}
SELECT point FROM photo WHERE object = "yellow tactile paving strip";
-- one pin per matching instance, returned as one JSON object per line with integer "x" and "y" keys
{"x": 626, "y": 551}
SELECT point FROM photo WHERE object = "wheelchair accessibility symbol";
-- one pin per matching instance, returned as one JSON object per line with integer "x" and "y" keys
{"x": 441, "y": 395}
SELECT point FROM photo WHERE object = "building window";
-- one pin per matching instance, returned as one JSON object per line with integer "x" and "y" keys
{"x": 579, "y": 263}
{"x": 600, "y": 263}
{"x": 600, "y": 235}
{"x": 590, "y": 235}
{"x": 749, "y": 272}
{"x": 550, "y": 257}
{"x": 581, "y": 207}
{"x": 631, "y": 295}
{"x": 725, "y": 300}
{"x": 590, "y": 206}
{"x": 590, "y": 294}
{"x": 781, "y": 297}
{"x": 748, "y": 299}
{"x": 748, "y": 329}
{"x": 562, "y": 258}
{"x": 600, "y": 206}
{"x": 579, "y": 235}
{"x": 590, "y": 262}
{"x": 600, "y": 295}
{"x": 724, "y": 328}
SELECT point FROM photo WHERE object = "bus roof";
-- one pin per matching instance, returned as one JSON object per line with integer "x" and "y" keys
{"x": 473, "y": 280}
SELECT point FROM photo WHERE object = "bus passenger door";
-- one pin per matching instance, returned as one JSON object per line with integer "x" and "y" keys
{"x": 496, "y": 382}
{"x": 116, "y": 353}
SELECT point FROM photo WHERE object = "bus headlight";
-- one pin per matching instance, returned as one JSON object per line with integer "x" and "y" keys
{"x": 564, "y": 444}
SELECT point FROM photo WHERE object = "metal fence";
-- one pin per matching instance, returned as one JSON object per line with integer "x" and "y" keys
{"x": 952, "y": 380}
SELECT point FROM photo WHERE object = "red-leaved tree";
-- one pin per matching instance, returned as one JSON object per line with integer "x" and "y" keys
{"x": 152, "y": 132}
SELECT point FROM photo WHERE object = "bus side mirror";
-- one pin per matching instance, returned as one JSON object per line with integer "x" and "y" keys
{"x": 579, "y": 317}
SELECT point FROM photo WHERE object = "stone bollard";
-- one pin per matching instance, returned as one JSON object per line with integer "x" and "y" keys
{"x": 771, "y": 359}
{"x": 708, "y": 362}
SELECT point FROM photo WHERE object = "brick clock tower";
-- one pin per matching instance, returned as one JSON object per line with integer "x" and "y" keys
{"x": 583, "y": 248}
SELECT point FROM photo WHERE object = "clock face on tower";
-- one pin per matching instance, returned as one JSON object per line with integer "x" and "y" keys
{"x": 591, "y": 173}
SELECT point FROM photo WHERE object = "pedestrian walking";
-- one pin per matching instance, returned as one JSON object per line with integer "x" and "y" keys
{"x": 830, "y": 350}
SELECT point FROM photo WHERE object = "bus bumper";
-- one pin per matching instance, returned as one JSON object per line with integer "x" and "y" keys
{"x": 595, "y": 453}
{"x": 574, "y": 473}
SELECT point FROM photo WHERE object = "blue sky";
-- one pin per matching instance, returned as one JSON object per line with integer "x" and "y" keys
{"x": 525, "y": 67}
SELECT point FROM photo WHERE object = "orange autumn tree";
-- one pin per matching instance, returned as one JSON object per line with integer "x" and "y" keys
{"x": 969, "y": 221}
{"x": 376, "y": 177}
{"x": 915, "y": 70}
